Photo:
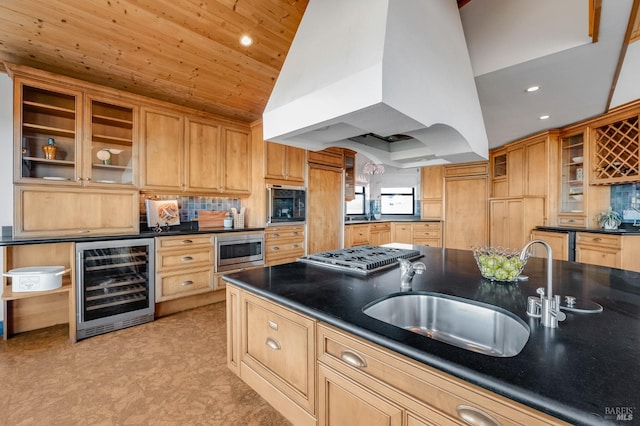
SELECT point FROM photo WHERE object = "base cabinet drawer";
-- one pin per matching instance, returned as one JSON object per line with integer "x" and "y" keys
{"x": 419, "y": 391}
{"x": 179, "y": 284}
{"x": 283, "y": 244}
{"x": 279, "y": 345}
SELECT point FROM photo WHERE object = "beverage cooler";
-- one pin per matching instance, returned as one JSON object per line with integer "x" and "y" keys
{"x": 115, "y": 285}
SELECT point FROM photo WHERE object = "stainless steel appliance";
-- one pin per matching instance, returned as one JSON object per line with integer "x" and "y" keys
{"x": 239, "y": 251}
{"x": 115, "y": 285}
{"x": 361, "y": 259}
{"x": 286, "y": 204}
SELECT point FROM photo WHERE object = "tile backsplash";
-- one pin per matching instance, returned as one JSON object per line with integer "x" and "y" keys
{"x": 190, "y": 205}
{"x": 625, "y": 196}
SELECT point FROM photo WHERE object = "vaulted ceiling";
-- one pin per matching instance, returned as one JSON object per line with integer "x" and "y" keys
{"x": 187, "y": 52}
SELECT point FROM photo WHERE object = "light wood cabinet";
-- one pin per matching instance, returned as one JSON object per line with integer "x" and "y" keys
{"x": 44, "y": 211}
{"x": 93, "y": 130}
{"x": 379, "y": 233}
{"x": 325, "y": 206}
{"x": 614, "y": 251}
{"x": 331, "y": 157}
{"x": 402, "y": 232}
{"x": 25, "y": 311}
{"x": 273, "y": 350}
{"x": 356, "y": 235}
{"x": 385, "y": 387}
{"x": 427, "y": 233}
{"x": 466, "y": 207}
{"x": 431, "y": 192}
{"x": 558, "y": 241}
{"x": 284, "y": 163}
{"x": 284, "y": 244}
{"x": 349, "y": 175}
{"x": 512, "y": 220}
{"x": 183, "y": 153}
{"x": 579, "y": 201}
{"x": 184, "y": 266}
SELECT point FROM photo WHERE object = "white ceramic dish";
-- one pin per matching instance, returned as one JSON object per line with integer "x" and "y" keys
{"x": 577, "y": 159}
{"x": 54, "y": 178}
{"x": 36, "y": 278}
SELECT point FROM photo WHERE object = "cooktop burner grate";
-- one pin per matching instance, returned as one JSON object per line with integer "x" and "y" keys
{"x": 361, "y": 259}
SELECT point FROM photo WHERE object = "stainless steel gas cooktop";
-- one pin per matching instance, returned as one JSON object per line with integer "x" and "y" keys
{"x": 361, "y": 259}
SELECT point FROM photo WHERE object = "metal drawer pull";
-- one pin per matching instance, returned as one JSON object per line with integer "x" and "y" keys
{"x": 186, "y": 283}
{"x": 187, "y": 241}
{"x": 475, "y": 417}
{"x": 273, "y": 343}
{"x": 276, "y": 248}
{"x": 295, "y": 233}
{"x": 296, "y": 246}
{"x": 275, "y": 235}
{"x": 187, "y": 259}
{"x": 273, "y": 325}
{"x": 353, "y": 359}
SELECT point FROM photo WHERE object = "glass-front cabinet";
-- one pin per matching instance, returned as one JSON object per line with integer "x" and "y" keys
{"x": 66, "y": 136}
{"x": 573, "y": 175}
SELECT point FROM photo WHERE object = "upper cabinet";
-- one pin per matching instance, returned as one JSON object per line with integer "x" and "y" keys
{"x": 616, "y": 148}
{"x": 349, "y": 175}
{"x": 431, "y": 190}
{"x": 184, "y": 153}
{"x": 72, "y": 136}
{"x": 284, "y": 163}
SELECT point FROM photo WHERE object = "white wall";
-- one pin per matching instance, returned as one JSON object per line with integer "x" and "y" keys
{"x": 6, "y": 155}
{"x": 6, "y": 150}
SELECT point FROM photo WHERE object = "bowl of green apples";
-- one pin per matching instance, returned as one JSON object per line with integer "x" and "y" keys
{"x": 500, "y": 264}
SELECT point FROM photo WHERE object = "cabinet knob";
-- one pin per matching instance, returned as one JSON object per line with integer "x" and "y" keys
{"x": 475, "y": 417}
{"x": 353, "y": 359}
{"x": 272, "y": 343}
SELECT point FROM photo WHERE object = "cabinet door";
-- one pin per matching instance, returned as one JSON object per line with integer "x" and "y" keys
{"x": 536, "y": 166}
{"x": 45, "y": 112}
{"x": 602, "y": 256}
{"x": 431, "y": 182}
{"x": 202, "y": 140}
{"x": 237, "y": 161}
{"x": 46, "y": 211}
{"x": 325, "y": 208}
{"x": 110, "y": 148}
{"x": 343, "y": 402}
{"x": 402, "y": 233}
{"x": 515, "y": 171}
{"x": 296, "y": 164}
{"x": 558, "y": 241}
{"x": 275, "y": 160}
{"x": 162, "y": 157}
{"x": 466, "y": 212}
{"x": 497, "y": 223}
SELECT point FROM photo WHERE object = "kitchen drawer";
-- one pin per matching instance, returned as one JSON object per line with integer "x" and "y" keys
{"x": 183, "y": 241}
{"x": 577, "y": 221}
{"x": 380, "y": 227}
{"x": 468, "y": 169}
{"x": 600, "y": 240}
{"x": 184, "y": 258}
{"x": 179, "y": 284}
{"x": 290, "y": 250}
{"x": 431, "y": 242}
{"x": 387, "y": 372}
{"x": 279, "y": 345}
{"x": 279, "y": 232}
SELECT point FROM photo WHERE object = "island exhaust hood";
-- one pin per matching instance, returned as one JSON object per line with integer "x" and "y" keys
{"x": 391, "y": 79}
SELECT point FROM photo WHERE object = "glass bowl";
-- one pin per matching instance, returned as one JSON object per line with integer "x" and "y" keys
{"x": 499, "y": 264}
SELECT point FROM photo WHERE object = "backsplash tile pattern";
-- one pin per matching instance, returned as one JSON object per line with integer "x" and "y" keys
{"x": 189, "y": 205}
{"x": 625, "y": 196}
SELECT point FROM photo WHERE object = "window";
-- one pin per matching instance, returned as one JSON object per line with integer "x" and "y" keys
{"x": 356, "y": 206}
{"x": 397, "y": 201}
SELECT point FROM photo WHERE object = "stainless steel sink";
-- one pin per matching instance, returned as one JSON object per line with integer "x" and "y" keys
{"x": 464, "y": 323}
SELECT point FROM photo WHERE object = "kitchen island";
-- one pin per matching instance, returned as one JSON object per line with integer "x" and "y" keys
{"x": 584, "y": 372}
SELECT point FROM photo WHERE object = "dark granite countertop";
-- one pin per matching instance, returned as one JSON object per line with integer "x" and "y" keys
{"x": 580, "y": 372}
{"x": 624, "y": 229}
{"x": 183, "y": 229}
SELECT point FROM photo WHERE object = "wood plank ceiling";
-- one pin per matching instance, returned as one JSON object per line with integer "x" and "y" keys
{"x": 183, "y": 51}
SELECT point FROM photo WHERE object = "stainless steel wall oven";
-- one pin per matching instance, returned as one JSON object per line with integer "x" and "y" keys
{"x": 239, "y": 251}
{"x": 115, "y": 285}
{"x": 286, "y": 204}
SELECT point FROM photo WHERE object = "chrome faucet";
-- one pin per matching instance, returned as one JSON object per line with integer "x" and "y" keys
{"x": 408, "y": 270}
{"x": 549, "y": 305}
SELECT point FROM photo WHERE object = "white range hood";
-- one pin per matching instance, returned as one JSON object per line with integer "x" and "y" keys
{"x": 391, "y": 79}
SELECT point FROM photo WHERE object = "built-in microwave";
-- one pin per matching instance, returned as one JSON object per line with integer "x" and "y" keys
{"x": 286, "y": 204}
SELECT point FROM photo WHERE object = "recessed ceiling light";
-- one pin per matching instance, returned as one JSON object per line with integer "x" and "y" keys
{"x": 246, "y": 40}
{"x": 532, "y": 89}
{"x": 543, "y": 117}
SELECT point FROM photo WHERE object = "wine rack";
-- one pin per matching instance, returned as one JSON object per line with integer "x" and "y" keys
{"x": 617, "y": 152}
